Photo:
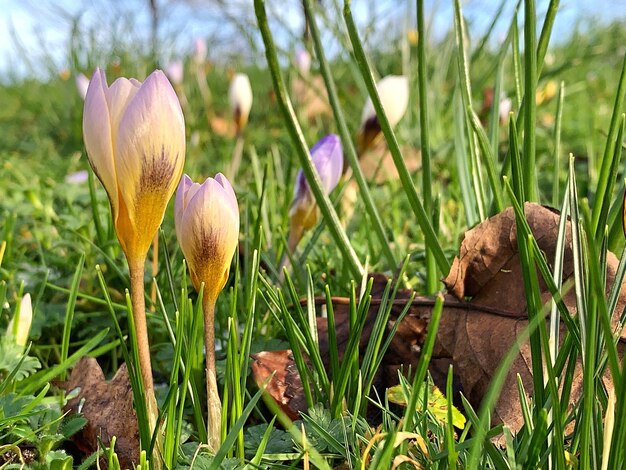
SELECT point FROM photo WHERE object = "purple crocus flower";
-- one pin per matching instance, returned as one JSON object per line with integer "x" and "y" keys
{"x": 327, "y": 157}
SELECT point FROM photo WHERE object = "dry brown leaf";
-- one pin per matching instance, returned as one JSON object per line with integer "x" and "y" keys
{"x": 222, "y": 126}
{"x": 310, "y": 95}
{"x": 286, "y": 385}
{"x": 488, "y": 272}
{"x": 378, "y": 166}
{"x": 108, "y": 408}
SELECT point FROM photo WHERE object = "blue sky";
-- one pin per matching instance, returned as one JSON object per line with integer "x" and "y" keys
{"x": 41, "y": 24}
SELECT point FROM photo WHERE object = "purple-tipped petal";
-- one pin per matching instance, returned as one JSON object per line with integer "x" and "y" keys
{"x": 327, "y": 156}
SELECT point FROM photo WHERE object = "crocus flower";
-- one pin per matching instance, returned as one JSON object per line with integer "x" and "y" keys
{"x": 240, "y": 97}
{"x": 19, "y": 326}
{"x": 82, "y": 83}
{"x": 174, "y": 71}
{"x": 135, "y": 138}
{"x": 78, "y": 177}
{"x": 505, "y": 108}
{"x": 327, "y": 156}
{"x": 303, "y": 61}
{"x": 207, "y": 228}
{"x": 393, "y": 91}
{"x": 200, "y": 50}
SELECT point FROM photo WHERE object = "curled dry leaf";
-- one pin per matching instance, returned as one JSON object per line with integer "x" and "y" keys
{"x": 487, "y": 275}
{"x": 108, "y": 408}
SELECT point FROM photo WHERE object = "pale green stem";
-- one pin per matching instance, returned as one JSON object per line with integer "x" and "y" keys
{"x": 235, "y": 162}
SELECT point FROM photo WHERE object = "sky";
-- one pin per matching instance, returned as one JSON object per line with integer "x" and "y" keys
{"x": 30, "y": 27}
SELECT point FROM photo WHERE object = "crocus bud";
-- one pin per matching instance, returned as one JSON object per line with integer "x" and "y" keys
{"x": 393, "y": 91}
{"x": 240, "y": 97}
{"x": 174, "y": 71}
{"x": 200, "y": 51}
{"x": 207, "y": 228}
{"x": 327, "y": 157}
{"x": 505, "y": 108}
{"x": 303, "y": 61}
{"x": 19, "y": 326}
{"x": 82, "y": 83}
{"x": 135, "y": 138}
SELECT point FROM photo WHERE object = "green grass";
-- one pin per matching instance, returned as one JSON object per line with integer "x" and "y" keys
{"x": 568, "y": 98}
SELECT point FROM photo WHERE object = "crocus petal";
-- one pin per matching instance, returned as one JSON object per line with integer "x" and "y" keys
{"x": 179, "y": 203}
{"x": 393, "y": 91}
{"x": 77, "y": 177}
{"x": 303, "y": 61}
{"x": 230, "y": 192}
{"x": 200, "y": 50}
{"x": 300, "y": 186}
{"x": 186, "y": 190}
{"x": 150, "y": 154}
{"x": 327, "y": 156}
{"x": 82, "y": 84}
{"x": 97, "y": 136}
{"x": 175, "y": 71}
{"x": 119, "y": 95}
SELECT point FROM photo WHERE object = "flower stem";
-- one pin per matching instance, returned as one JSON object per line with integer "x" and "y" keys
{"x": 214, "y": 404}
{"x": 137, "y": 298}
{"x": 139, "y": 316}
{"x": 236, "y": 158}
{"x": 155, "y": 270}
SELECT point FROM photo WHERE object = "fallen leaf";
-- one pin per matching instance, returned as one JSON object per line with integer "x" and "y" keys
{"x": 377, "y": 163}
{"x": 108, "y": 408}
{"x": 311, "y": 97}
{"x": 286, "y": 385}
{"x": 222, "y": 126}
{"x": 487, "y": 275}
{"x": 437, "y": 403}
